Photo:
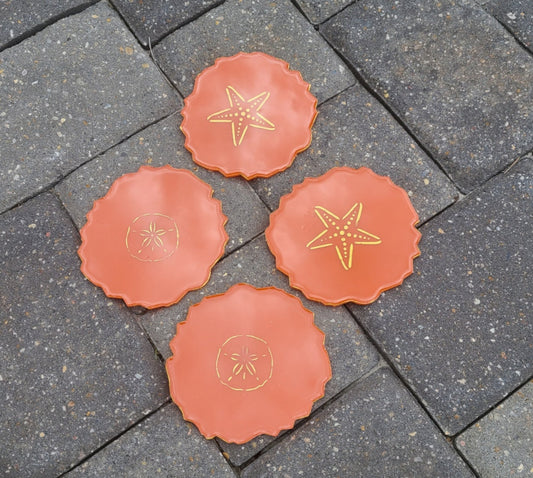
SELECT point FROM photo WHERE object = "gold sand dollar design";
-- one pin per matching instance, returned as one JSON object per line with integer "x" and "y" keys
{"x": 244, "y": 362}
{"x": 152, "y": 237}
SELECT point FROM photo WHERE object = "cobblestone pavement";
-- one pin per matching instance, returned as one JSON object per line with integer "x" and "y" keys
{"x": 431, "y": 380}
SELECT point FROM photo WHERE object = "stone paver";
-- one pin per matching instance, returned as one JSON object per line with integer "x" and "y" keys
{"x": 375, "y": 429}
{"x": 67, "y": 94}
{"x": 459, "y": 329}
{"x": 20, "y": 18}
{"x": 319, "y": 10}
{"x": 350, "y": 353}
{"x": 501, "y": 444}
{"x": 162, "y": 445}
{"x": 276, "y": 28}
{"x": 354, "y": 130}
{"x": 156, "y": 18}
{"x": 461, "y": 83}
{"x": 75, "y": 368}
{"x": 516, "y": 15}
{"x": 158, "y": 145}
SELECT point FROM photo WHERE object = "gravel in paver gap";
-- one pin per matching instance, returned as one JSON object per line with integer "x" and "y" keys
{"x": 459, "y": 329}
{"x": 275, "y": 28}
{"x": 70, "y": 92}
{"x": 75, "y": 367}
{"x": 451, "y": 72}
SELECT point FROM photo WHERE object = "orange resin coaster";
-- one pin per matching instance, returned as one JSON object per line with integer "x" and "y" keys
{"x": 248, "y": 114}
{"x": 154, "y": 236}
{"x": 247, "y": 362}
{"x": 345, "y": 236}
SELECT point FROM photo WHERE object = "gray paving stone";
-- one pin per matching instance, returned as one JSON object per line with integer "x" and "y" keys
{"x": 156, "y": 18}
{"x": 22, "y": 17}
{"x": 162, "y": 445}
{"x": 275, "y": 28}
{"x": 158, "y": 145}
{"x": 516, "y": 15}
{"x": 318, "y": 10}
{"x": 75, "y": 368}
{"x": 375, "y": 429}
{"x": 354, "y": 130}
{"x": 350, "y": 353}
{"x": 67, "y": 94}
{"x": 459, "y": 329}
{"x": 501, "y": 444}
{"x": 453, "y": 74}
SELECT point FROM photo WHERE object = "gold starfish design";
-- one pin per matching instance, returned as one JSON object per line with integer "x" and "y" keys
{"x": 342, "y": 233}
{"x": 242, "y": 114}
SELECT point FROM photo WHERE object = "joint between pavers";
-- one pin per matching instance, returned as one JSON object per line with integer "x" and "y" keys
{"x": 190, "y": 20}
{"x": 167, "y": 79}
{"x": 53, "y": 184}
{"x": 465, "y": 459}
{"x": 170, "y": 31}
{"x": 511, "y": 32}
{"x": 390, "y": 363}
{"x": 168, "y": 401}
{"x": 300, "y": 9}
{"x": 46, "y": 23}
{"x": 458, "y": 198}
{"x": 235, "y": 469}
{"x": 481, "y": 187}
{"x": 337, "y": 12}
{"x": 303, "y": 421}
{"x": 138, "y": 319}
{"x": 327, "y": 100}
{"x": 491, "y": 409}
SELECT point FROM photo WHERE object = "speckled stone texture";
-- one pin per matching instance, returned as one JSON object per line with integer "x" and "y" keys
{"x": 155, "y": 18}
{"x": 158, "y": 145}
{"x": 516, "y": 15}
{"x": 459, "y": 329}
{"x": 275, "y": 28}
{"x": 20, "y": 18}
{"x": 162, "y": 445}
{"x": 319, "y": 10}
{"x": 375, "y": 429}
{"x": 67, "y": 94}
{"x": 458, "y": 80}
{"x": 354, "y": 130}
{"x": 75, "y": 368}
{"x": 501, "y": 444}
{"x": 350, "y": 353}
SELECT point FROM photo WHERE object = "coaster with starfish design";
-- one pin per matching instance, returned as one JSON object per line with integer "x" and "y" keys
{"x": 248, "y": 114}
{"x": 345, "y": 236}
